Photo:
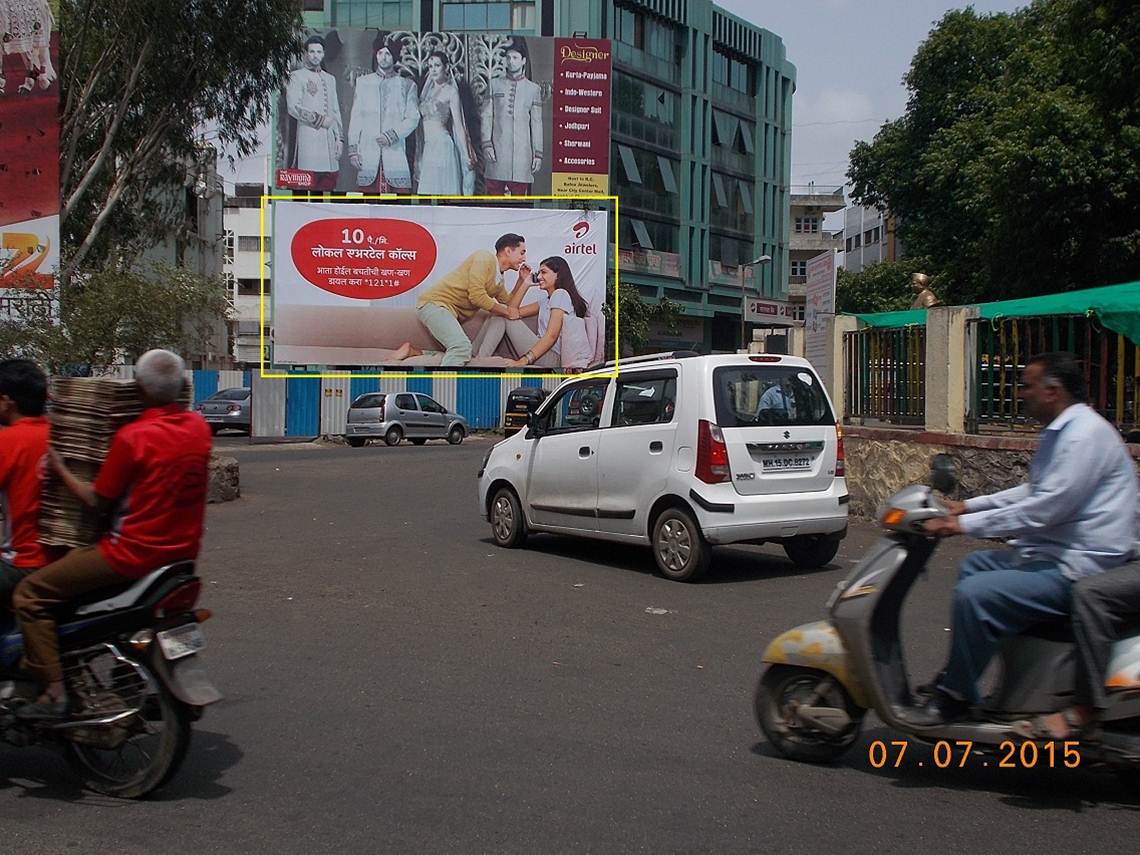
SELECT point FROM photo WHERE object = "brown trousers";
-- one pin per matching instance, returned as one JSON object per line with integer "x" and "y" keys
{"x": 78, "y": 572}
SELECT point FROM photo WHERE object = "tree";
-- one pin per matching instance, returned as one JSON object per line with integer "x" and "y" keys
{"x": 97, "y": 318}
{"x": 1016, "y": 167}
{"x": 636, "y": 315}
{"x": 140, "y": 78}
{"x": 882, "y": 287}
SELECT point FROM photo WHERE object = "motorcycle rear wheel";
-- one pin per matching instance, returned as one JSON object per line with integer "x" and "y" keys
{"x": 783, "y": 685}
{"x": 157, "y": 738}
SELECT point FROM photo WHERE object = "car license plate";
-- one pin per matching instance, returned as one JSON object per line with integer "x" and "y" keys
{"x": 786, "y": 464}
{"x": 181, "y": 641}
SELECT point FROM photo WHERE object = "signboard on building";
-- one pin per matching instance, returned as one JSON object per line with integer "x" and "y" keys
{"x": 819, "y": 308}
{"x": 445, "y": 114}
{"x": 29, "y": 153}
{"x": 369, "y": 285}
{"x": 758, "y": 310}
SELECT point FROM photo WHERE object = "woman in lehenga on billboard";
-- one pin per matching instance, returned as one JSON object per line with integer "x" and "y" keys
{"x": 446, "y": 160}
{"x": 561, "y": 341}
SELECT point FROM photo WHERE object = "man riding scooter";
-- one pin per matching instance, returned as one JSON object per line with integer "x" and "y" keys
{"x": 1075, "y": 517}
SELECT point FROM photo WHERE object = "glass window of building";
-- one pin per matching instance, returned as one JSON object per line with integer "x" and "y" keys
{"x": 799, "y": 268}
{"x": 629, "y": 27}
{"x": 746, "y": 191}
{"x": 806, "y": 225}
{"x": 518, "y": 16}
{"x": 720, "y": 68}
{"x": 369, "y": 13}
{"x": 629, "y": 164}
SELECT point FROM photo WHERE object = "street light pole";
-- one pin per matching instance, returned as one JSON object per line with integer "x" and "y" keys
{"x": 763, "y": 259}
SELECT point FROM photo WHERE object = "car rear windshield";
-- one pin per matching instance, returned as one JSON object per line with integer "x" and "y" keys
{"x": 367, "y": 402}
{"x": 776, "y": 395}
{"x": 231, "y": 395}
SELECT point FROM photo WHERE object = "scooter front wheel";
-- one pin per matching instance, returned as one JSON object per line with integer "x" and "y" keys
{"x": 806, "y": 714}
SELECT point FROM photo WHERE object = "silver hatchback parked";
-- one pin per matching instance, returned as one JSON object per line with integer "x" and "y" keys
{"x": 395, "y": 416}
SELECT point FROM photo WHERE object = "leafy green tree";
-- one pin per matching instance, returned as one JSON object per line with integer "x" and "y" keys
{"x": 882, "y": 287}
{"x": 1016, "y": 167}
{"x": 139, "y": 81}
{"x": 97, "y": 319}
{"x": 636, "y": 315}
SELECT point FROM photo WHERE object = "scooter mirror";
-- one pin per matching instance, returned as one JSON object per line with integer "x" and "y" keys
{"x": 943, "y": 473}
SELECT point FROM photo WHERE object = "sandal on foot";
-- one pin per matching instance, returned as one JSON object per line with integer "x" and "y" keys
{"x": 1038, "y": 729}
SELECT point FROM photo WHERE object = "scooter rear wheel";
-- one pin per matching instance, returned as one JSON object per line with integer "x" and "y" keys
{"x": 781, "y": 688}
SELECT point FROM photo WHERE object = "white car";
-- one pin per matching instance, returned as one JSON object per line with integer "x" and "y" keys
{"x": 680, "y": 451}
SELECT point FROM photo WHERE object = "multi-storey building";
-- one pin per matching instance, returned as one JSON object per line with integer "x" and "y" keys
{"x": 868, "y": 238}
{"x": 242, "y": 270}
{"x": 809, "y": 237}
{"x": 701, "y": 137}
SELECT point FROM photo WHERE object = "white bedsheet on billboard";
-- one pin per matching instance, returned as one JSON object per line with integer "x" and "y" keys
{"x": 348, "y": 278}
{"x": 819, "y": 307}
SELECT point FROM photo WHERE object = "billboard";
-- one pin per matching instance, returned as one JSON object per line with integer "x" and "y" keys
{"x": 29, "y": 149}
{"x": 401, "y": 286}
{"x": 445, "y": 114}
{"x": 819, "y": 307}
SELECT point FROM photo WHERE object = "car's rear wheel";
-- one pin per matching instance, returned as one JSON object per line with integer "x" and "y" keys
{"x": 811, "y": 551}
{"x": 355, "y": 441}
{"x": 508, "y": 525}
{"x": 680, "y": 550}
{"x": 393, "y": 436}
{"x": 455, "y": 435}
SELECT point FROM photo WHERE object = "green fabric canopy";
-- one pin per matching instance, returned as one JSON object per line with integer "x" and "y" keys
{"x": 1117, "y": 307}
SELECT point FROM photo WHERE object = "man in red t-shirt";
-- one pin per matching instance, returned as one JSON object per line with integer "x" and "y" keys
{"x": 155, "y": 481}
{"x": 23, "y": 443}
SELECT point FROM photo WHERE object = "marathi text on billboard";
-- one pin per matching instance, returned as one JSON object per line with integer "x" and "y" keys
{"x": 446, "y": 114}
{"x": 29, "y": 146}
{"x": 360, "y": 285}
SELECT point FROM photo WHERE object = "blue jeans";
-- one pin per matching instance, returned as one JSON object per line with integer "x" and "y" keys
{"x": 997, "y": 596}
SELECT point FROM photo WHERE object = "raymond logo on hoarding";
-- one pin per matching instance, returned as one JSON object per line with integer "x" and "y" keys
{"x": 445, "y": 114}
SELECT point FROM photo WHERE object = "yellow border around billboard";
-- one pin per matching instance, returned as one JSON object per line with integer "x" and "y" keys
{"x": 403, "y": 375}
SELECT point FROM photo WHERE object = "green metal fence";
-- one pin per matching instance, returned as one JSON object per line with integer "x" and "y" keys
{"x": 885, "y": 375}
{"x": 1001, "y": 348}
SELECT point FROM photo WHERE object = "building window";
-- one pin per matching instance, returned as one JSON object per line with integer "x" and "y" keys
{"x": 660, "y": 40}
{"x": 849, "y": 244}
{"x": 629, "y": 163}
{"x": 858, "y": 241}
{"x": 720, "y": 68}
{"x": 251, "y": 287}
{"x": 648, "y": 234}
{"x": 313, "y": 5}
{"x": 806, "y": 225}
{"x": 369, "y": 13}
{"x": 230, "y": 281}
{"x": 249, "y": 243}
{"x": 875, "y": 234}
{"x": 734, "y": 73}
{"x": 629, "y": 27}
{"x": 799, "y": 268}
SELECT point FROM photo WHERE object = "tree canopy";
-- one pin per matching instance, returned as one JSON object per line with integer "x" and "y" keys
{"x": 882, "y": 287}
{"x": 140, "y": 79}
{"x": 635, "y": 316}
{"x": 1015, "y": 169}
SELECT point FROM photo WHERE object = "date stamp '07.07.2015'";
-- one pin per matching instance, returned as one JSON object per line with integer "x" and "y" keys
{"x": 961, "y": 754}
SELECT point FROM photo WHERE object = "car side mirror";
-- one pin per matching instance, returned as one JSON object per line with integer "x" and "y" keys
{"x": 943, "y": 473}
{"x": 534, "y": 424}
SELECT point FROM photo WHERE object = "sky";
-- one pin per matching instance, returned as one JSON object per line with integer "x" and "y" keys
{"x": 850, "y": 58}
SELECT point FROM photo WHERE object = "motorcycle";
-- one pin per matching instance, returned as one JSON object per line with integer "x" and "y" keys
{"x": 129, "y": 656}
{"x": 821, "y": 678}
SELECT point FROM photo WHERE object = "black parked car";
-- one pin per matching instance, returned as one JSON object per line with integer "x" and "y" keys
{"x": 521, "y": 402}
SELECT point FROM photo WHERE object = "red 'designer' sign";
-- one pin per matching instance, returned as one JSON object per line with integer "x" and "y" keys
{"x": 366, "y": 259}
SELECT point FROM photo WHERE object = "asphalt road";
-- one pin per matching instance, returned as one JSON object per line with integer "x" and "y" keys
{"x": 394, "y": 682}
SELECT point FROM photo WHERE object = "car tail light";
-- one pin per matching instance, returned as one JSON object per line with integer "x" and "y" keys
{"x": 382, "y": 410}
{"x": 181, "y": 599}
{"x": 840, "y": 455}
{"x": 235, "y": 408}
{"x": 712, "y": 454}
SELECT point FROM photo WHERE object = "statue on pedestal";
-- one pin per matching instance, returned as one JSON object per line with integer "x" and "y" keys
{"x": 924, "y": 298}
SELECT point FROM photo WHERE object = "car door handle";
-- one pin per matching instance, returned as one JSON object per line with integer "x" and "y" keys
{"x": 585, "y": 451}
{"x": 656, "y": 447}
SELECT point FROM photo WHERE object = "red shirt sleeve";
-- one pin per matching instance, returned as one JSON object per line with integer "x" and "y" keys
{"x": 118, "y": 470}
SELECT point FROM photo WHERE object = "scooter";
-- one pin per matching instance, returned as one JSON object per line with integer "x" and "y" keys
{"x": 129, "y": 656}
{"x": 822, "y": 677}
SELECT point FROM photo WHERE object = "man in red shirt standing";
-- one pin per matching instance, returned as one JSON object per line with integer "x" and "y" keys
{"x": 23, "y": 443}
{"x": 154, "y": 480}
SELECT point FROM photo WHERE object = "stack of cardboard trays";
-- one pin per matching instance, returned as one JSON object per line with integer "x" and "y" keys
{"x": 85, "y": 414}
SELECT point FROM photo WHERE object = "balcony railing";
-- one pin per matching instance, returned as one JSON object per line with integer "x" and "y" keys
{"x": 733, "y": 97}
{"x": 725, "y": 274}
{"x": 651, "y": 261}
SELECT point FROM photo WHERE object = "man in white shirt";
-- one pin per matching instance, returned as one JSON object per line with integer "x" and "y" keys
{"x": 1075, "y": 517}
{"x": 385, "y": 112}
{"x": 310, "y": 96}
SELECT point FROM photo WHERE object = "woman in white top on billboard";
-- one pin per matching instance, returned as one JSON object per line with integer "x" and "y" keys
{"x": 561, "y": 340}
{"x": 447, "y": 156}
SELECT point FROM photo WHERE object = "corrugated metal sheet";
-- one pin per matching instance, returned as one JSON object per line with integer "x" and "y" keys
{"x": 268, "y": 401}
{"x": 302, "y": 406}
{"x": 445, "y": 393}
{"x": 420, "y": 384}
{"x": 480, "y": 401}
{"x": 232, "y": 379}
{"x": 536, "y": 382}
{"x": 358, "y": 386}
{"x": 335, "y": 398}
{"x": 246, "y": 378}
{"x": 393, "y": 384}
{"x": 205, "y": 385}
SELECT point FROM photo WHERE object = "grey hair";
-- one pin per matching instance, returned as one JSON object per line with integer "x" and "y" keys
{"x": 159, "y": 375}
